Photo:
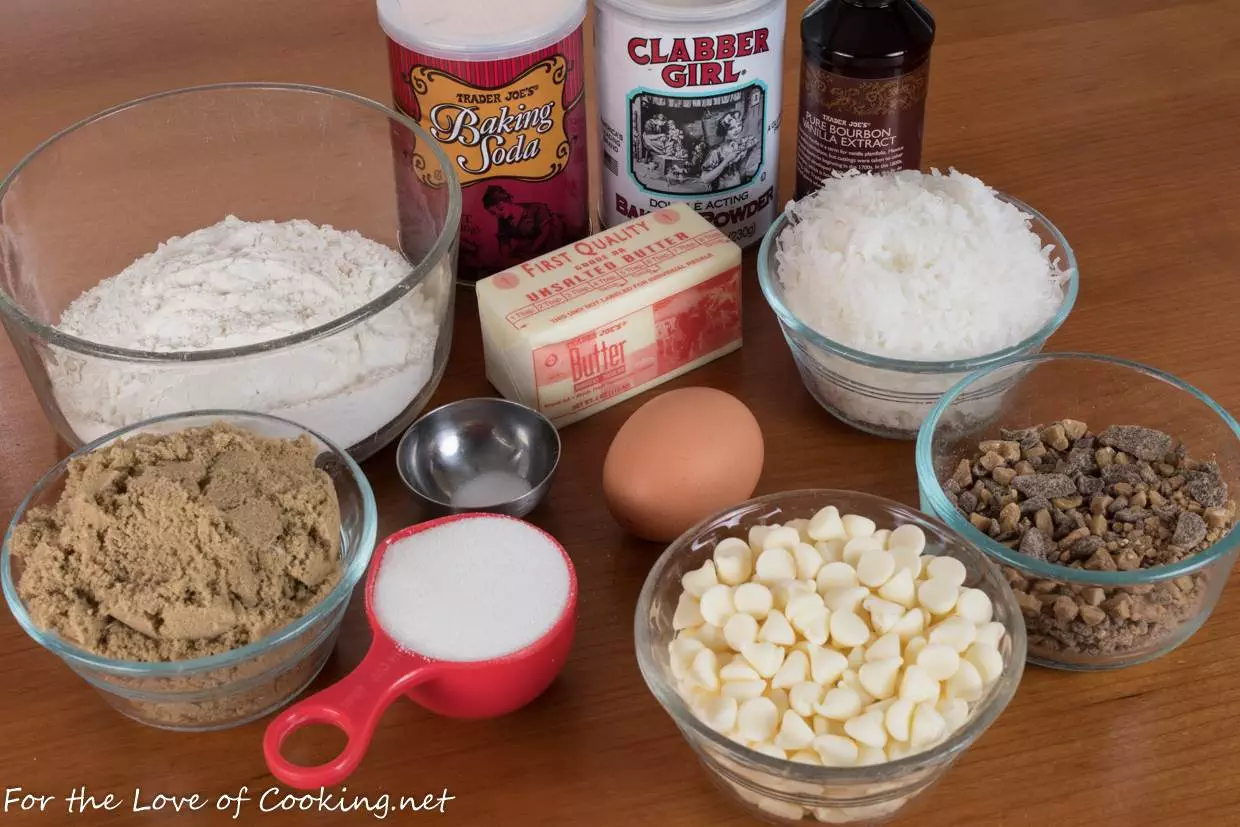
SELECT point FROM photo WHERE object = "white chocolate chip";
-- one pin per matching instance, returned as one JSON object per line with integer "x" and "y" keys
{"x": 777, "y": 630}
{"x": 991, "y": 634}
{"x": 794, "y": 732}
{"x": 975, "y": 605}
{"x": 681, "y": 652}
{"x": 955, "y": 632}
{"x": 856, "y": 657}
{"x": 716, "y": 605}
{"x": 826, "y": 665}
{"x": 827, "y": 525}
{"x": 918, "y": 687}
{"x": 869, "y": 756}
{"x": 769, "y": 749}
{"x": 741, "y": 629}
{"x": 803, "y": 697}
{"x": 808, "y": 560}
{"x": 710, "y": 636}
{"x": 883, "y": 535}
{"x": 879, "y": 677}
{"x": 756, "y": 719}
{"x": 936, "y": 595}
{"x": 704, "y": 671}
{"x": 719, "y": 713}
{"x": 794, "y": 670}
{"x": 897, "y": 750}
{"x": 801, "y": 525}
{"x": 913, "y": 649}
{"x": 907, "y": 560}
{"x": 911, "y": 625}
{"x": 739, "y": 670}
{"x": 955, "y": 712}
{"x": 782, "y": 536}
{"x": 814, "y": 625}
{"x": 900, "y": 588}
{"x": 806, "y": 756}
{"x": 803, "y": 604}
{"x": 928, "y": 726}
{"x": 756, "y": 535}
{"x": 947, "y": 568}
{"x": 743, "y": 690}
{"x": 733, "y": 561}
{"x": 688, "y": 613}
{"x": 753, "y": 599}
{"x": 785, "y": 590}
{"x": 908, "y": 536}
{"x": 867, "y": 729}
{"x": 696, "y": 582}
{"x": 939, "y": 661}
{"x": 779, "y": 697}
{"x": 839, "y": 704}
{"x": 832, "y": 551}
{"x": 884, "y": 615}
{"x": 836, "y": 576}
{"x": 899, "y": 719}
{"x": 966, "y": 684}
{"x": 765, "y": 658}
{"x": 824, "y": 726}
{"x": 836, "y": 750}
{"x": 848, "y": 630}
{"x": 880, "y": 706}
{"x": 875, "y": 567}
{"x": 987, "y": 660}
{"x": 857, "y": 526}
{"x": 775, "y": 564}
{"x": 845, "y": 600}
{"x": 887, "y": 646}
{"x": 855, "y": 548}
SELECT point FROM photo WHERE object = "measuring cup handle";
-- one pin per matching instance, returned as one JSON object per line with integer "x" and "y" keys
{"x": 353, "y": 705}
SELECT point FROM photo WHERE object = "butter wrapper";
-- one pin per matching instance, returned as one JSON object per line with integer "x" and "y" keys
{"x": 583, "y": 328}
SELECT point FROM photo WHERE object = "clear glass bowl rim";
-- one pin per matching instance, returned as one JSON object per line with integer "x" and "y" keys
{"x": 979, "y": 721}
{"x": 767, "y": 278}
{"x": 349, "y": 578}
{"x": 944, "y": 511}
{"x": 416, "y": 276}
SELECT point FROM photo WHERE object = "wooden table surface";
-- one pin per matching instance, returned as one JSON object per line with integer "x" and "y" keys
{"x": 1117, "y": 118}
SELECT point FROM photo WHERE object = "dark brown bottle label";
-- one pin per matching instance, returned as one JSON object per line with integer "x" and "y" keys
{"x": 850, "y": 123}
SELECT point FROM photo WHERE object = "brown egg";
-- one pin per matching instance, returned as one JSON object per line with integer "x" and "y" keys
{"x": 678, "y": 459}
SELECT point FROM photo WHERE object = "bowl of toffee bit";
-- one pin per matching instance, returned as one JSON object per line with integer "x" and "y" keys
{"x": 1105, "y": 491}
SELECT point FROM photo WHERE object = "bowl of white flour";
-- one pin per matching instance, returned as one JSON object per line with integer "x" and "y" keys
{"x": 261, "y": 247}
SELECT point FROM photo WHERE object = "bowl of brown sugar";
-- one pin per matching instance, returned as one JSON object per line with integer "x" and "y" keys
{"x": 193, "y": 568}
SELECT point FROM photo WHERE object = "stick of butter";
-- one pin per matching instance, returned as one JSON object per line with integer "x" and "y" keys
{"x": 583, "y": 328}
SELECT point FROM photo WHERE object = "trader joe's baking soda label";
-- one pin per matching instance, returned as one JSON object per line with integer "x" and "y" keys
{"x": 690, "y": 112}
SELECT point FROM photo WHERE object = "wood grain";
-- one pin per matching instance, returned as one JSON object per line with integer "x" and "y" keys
{"x": 1117, "y": 118}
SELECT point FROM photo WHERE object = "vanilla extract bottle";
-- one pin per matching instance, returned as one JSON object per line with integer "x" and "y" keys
{"x": 865, "y": 70}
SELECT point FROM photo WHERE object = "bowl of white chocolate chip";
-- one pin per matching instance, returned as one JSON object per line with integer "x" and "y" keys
{"x": 828, "y": 654}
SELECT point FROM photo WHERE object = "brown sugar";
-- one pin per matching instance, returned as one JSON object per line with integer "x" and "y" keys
{"x": 177, "y": 546}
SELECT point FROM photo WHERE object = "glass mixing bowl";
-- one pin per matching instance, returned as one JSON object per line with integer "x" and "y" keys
{"x": 231, "y": 688}
{"x": 1175, "y": 599}
{"x": 93, "y": 198}
{"x": 787, "y": 792}
{"x": 891, "y": 397}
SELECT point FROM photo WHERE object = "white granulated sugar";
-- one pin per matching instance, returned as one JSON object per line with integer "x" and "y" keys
{"x": 239, "y": 283}
{"x": 925, "y": 267}
{"x": 490, "y": 488}
{"x": 470, "y": 590}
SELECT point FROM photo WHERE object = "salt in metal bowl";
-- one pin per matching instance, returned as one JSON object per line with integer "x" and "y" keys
{"x": 483, "y": 454}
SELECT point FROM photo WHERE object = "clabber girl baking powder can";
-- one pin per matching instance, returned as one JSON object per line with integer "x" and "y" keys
{"x": 500, "y": 84}
{"x": 689, "y": 102}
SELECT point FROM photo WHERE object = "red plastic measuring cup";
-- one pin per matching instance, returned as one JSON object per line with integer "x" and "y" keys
{"x": 474, "y": 689}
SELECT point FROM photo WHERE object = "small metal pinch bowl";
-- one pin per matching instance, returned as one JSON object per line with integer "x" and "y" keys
{"x": 484, "y": 454}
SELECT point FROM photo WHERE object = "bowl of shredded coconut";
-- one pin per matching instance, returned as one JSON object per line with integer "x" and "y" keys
{"x": 892, "y": 287}
{"x": 281, "y": 249}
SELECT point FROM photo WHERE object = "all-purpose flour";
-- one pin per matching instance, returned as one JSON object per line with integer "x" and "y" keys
{"x": 239, "y": 283}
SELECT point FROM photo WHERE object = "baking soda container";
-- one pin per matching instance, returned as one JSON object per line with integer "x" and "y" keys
{"x": 689, "y": 99}
{"x": 500, "y": 84}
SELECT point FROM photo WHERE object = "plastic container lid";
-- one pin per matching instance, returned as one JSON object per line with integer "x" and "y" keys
{"x": 702, "y": 12}
{"x": 480, "y": 29}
